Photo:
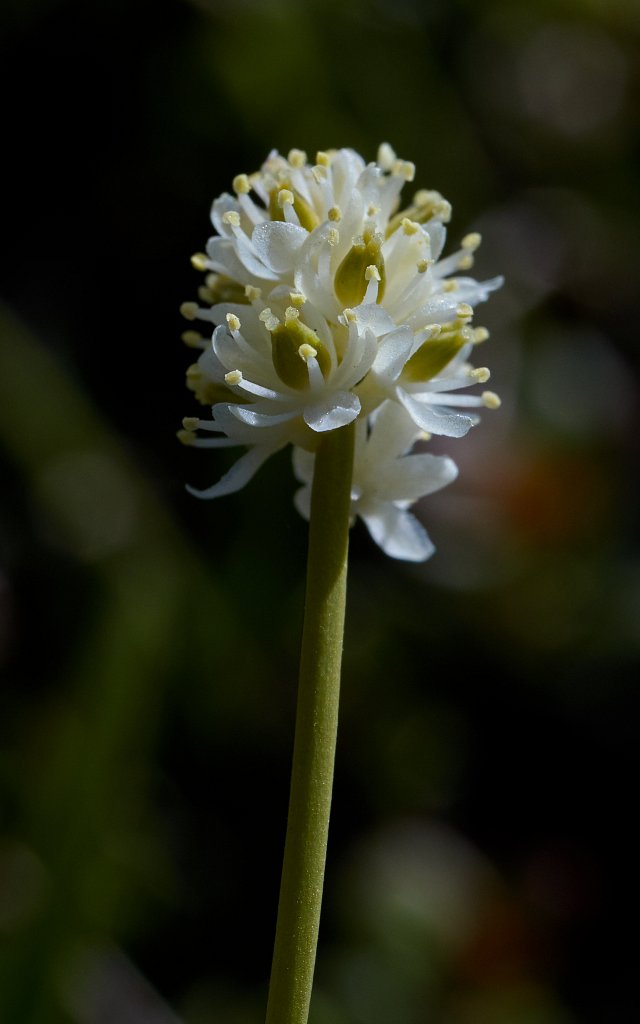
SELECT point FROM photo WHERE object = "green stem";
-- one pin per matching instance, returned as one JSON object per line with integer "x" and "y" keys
{"x": 316, "y": 730}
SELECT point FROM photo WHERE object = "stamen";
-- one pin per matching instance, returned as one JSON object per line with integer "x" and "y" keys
{"x": 233, "y": 322}
{"x": 335, "y": 213}
{"x": 231, "y": 217}
{"x": 297, "y": 157}
{"x": 186, "y": 437}
{"x": 423, "y": 265}
{"x": 464, "y": 311}
{"x": 323, "y": 159}
{"x": 241, "y": 184}
{"x": 233, "y": 378}
{"x": 410, "y": 227}
{"x": 471, "y": 241}
{"x": 404, "y": 169}
{"x": 372, "y": 273}
{"x": 193, "y": 339}
{"x": 199, "y": 261}
{"x": 481, "y": 374}
{"x": 189, "y": 310}
{"x": 307, "y": 352}
{"x": 297, "y": 299}
{"x": 320, "y": 173}
{"x": 465, "y": 262}
{"x": 191, "y": 423}
{"x": 253, "y": 294}
{"x": 491, "y": 400}
{"x": 285, "y": 196}
{"x": 480, "y": 334}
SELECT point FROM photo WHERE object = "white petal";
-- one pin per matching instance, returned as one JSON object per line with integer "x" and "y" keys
{"x": 393, "y": 352}
{"x": 372, "y": 317}
{"x": 302, "y": 502}
{"x": 436, "y": 420}
{"x": 277, "y": 244}
{"x": 239, "y": 474}
{"x": 335, "y": 411}
{"x": 303, "y": 462}
{"x": 414, "y": 476}
{"x": 397, "y": 532}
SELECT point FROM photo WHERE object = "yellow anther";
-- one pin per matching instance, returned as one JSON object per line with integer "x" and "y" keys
{"x": 404, "y": 169}
{"x": 424, "y": 435}
{"x": 233, "y": 377}
{"x": 465, "y": 262}
{"x": 423, "y": 265}
{"x": 285, "y": 196}
{"x": 297, "y": 157}
{"x": 297, "y": 299}
{"x": 410, "y": 227}
{"x": 192, "y": 338}
{"x": 265, "y": 315}
{"x": 193, "y": 372}
{"x": 481, "y": 374}
{"x": 333, "y": 236}
{"x": 464, "y": 311}
{"x": 372, "y": 210}
{"x": 372, "y": 273}
{"x": 490, "y": 400}
{"x": 471, "y": 241}
{"x": 186, "y": 436}
{"x": 335, "y": 213}
{"x": 233, "y": 322}
{"x": 189, "y": 310}
{"x": 307, "y": 352}
{"x": 290, "y": 314}
{"x": 480, "y": 334}
{"x": 433, "y": 330}
{"x": 323, "y": 159}
{"x": 206, "y": 295}
{"x": 231, "y": 217}
{"x": 252, "y": 294}
{"x": 241, "y": 184}
{"x": 450, "y": 286}
{"x": 199, "y": 261}
{"x": 190, "y": 423}
{"x": 349, "y": 316}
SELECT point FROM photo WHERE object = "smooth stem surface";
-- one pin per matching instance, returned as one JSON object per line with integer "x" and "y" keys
{"x": 316, "y": 730}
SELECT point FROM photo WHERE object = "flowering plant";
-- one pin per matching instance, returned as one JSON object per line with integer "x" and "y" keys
{"x": 329, "y": 305}
{"x": 336, "y": 328}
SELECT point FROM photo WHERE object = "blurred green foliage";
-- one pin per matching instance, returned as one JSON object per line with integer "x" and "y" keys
{"x": 481, "y": 860}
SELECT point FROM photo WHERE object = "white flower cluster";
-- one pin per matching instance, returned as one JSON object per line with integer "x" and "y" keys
{"x": 328, "y": 304}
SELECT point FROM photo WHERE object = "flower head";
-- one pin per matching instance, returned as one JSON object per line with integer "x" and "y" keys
{"x": 326, "y": 300}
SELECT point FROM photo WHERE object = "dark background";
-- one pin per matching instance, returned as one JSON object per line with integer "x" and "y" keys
{"x": 481, "y": 866}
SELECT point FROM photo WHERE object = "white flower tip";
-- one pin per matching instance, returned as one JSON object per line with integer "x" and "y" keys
{"x": 233, "y": 378}
{"x": 199, "y": 261}
{"x": 307, "y": 352}
{"x": 490, "y": 400}
{"x": 189, "y": 310}
{"x": 481, "y": 374}
{"x": 233, "y": 322}
{"x": 386, "y": 156}
{"x": 231, "y": 217}
{"x": 285, "y": 196}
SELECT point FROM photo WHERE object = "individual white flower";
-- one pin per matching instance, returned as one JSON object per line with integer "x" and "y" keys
{"x": 325, "y": 301}
{"x": 386, "y": 482}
